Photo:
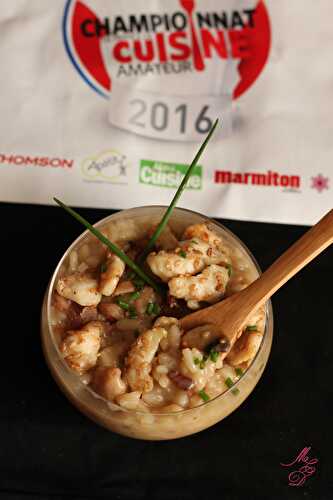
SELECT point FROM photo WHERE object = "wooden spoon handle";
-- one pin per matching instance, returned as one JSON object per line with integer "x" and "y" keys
{"x": 312, "y": 243}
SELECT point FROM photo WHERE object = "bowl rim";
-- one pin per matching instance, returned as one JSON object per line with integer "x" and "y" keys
{"x": 269, "y": 319}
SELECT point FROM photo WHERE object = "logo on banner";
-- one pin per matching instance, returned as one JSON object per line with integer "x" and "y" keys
{"x": 265, "y": 179}
{"x": 183, "y": 36}
{"x": 37, "y": 161}
{"x": 109, "y": 166}
{"x": 170, "y": 175}
{"x": 320, "y": 183}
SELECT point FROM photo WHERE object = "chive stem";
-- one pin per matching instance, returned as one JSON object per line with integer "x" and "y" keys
{"x": 228, "y": 382}
{"x": 252, "y": 328}
{"x": 204, "y": 396}
{"x": 180, "y": 189}
{"x": 116, "y": 250}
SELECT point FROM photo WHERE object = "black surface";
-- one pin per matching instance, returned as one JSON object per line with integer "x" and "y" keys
{"x": 49, "y": 450}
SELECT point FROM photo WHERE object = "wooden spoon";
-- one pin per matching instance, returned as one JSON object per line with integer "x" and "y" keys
{"x": 231, "y": 315}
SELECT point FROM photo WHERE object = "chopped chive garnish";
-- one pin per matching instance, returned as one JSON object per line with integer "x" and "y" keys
{"x": 195, "y": 242}
{"x": 203, "y": 361}
{"x": 229, "y": 267}
{"x": 156, "y": 309}
{"x": 150, "y": 308}
{"x": 132, "y": 312}
{"x": 213, "y": 355}
{"x": 211, "y": 346}
{"x": 138, "y": 282}
{"x": 182, "y": 254}
{"x": 116, "y": 250}
{"x": 196, "y": 361}
{"x": 204, "y": 396}
{"x": 153, "y": 309}
{"x": 252, "y": 328}
{"x": 180, "y": 189}
{"x": 121, "y": 303}
{"x": 239, "y": 372}
{"x": 228, "y": 382}
{"x": 134, "y": 296}
{"x": 103, "y": 267}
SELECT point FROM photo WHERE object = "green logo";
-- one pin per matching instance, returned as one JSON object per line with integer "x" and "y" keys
{"x": 170, "y": 175}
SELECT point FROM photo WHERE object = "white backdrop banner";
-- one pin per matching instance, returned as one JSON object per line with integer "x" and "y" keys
{"x": 104, "y": 104}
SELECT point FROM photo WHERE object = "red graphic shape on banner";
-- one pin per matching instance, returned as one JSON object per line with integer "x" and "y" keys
{"x": 259, "y": 39}
{"x": 320, "y": 183}
{"x": 89, "y": 49}
{"x": 188, "y": 6}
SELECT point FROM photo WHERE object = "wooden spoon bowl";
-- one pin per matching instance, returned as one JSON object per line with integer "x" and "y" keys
{"x": 231, "y": 315}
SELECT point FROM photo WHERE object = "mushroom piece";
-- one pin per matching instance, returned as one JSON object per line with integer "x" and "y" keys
{"x": 167, "y": 239}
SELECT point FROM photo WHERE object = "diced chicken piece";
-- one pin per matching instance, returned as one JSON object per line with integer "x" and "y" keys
{"x": 211, "y": 254}
{"x": 202, "y": 232}
{"x": 108, "y": 382}
{"x": 245, "y": 348}
{"x": 80, "y": 347}
{"x": 208, "y": 286}
{"x": 189, "y": 258}
{"x": 79, "y": 287}
{"x": 110, "y": 278}
{"x": 139, "y": 360}
{"x": 166, "y": 265}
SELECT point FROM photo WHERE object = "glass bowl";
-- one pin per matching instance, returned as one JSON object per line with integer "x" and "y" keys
{"x": 153, "y": 425}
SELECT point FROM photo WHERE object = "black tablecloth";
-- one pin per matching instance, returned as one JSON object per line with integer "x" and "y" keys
{"x": 49, "y": 450}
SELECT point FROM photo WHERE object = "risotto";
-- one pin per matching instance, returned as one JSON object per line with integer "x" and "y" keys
{"x": 123, "y": 339}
